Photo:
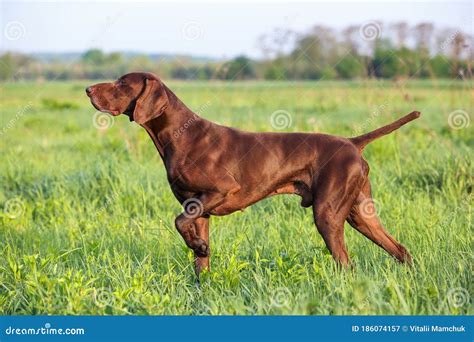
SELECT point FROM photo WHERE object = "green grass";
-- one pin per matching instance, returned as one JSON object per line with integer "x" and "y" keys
{"x": 87, "y": 215}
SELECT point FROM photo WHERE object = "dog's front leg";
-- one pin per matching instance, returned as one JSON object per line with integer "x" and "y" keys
{"x": 195, "y": 232}
{"x": 187, "y": 222}
{"x": 202, "y": 230}
{"x": 193, "y": 225}
{"x": 187, "y": 227}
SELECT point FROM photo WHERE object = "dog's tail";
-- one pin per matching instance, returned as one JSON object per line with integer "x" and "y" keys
{"x": 361, "y": 141}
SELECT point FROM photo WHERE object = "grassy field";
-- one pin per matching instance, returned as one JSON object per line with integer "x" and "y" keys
{"x": 87, "y": 216}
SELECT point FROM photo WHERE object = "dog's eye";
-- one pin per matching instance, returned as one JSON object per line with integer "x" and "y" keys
{"x": 120, "y": 82}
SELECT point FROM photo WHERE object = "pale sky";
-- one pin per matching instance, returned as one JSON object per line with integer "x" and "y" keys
{"x": 213, "y": 29}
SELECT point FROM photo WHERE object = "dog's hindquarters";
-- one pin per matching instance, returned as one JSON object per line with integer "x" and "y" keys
{"x": 341, "y": 192}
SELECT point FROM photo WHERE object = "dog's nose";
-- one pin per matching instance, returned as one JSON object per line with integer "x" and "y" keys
{"x": 89, "y": 90}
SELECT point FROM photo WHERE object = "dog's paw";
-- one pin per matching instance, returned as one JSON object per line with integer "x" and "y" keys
{"x": 202, "y": 250}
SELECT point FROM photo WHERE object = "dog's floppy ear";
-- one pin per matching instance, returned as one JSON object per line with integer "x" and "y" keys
{"x": 151, "y": 103}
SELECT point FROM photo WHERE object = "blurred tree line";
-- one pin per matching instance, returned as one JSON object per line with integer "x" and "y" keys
{"x": 358, "y": 51}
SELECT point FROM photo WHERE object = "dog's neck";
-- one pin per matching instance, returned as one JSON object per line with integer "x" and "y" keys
{"x": 177, "y": 123}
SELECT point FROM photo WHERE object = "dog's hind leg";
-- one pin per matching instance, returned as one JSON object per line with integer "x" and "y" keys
{"x": 363, "y": 217}
{"x": 334, "y": 191}
{"x": 332, "y": 231}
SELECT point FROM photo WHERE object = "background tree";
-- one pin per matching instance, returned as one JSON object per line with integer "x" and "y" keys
{"x": 401, "y": 33}
{"x": 240, "y": 68}
{"x": 93, "y": 57}
{"x": 319, "y": 53}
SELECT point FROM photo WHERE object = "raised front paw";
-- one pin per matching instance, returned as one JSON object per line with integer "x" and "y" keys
{"x": 202, "y": 249}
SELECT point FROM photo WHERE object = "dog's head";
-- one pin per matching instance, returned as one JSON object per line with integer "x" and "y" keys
{"x": 141, "y": 96}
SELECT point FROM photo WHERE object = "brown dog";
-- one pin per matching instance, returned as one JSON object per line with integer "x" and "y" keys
{"x": 216, "y": 170}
